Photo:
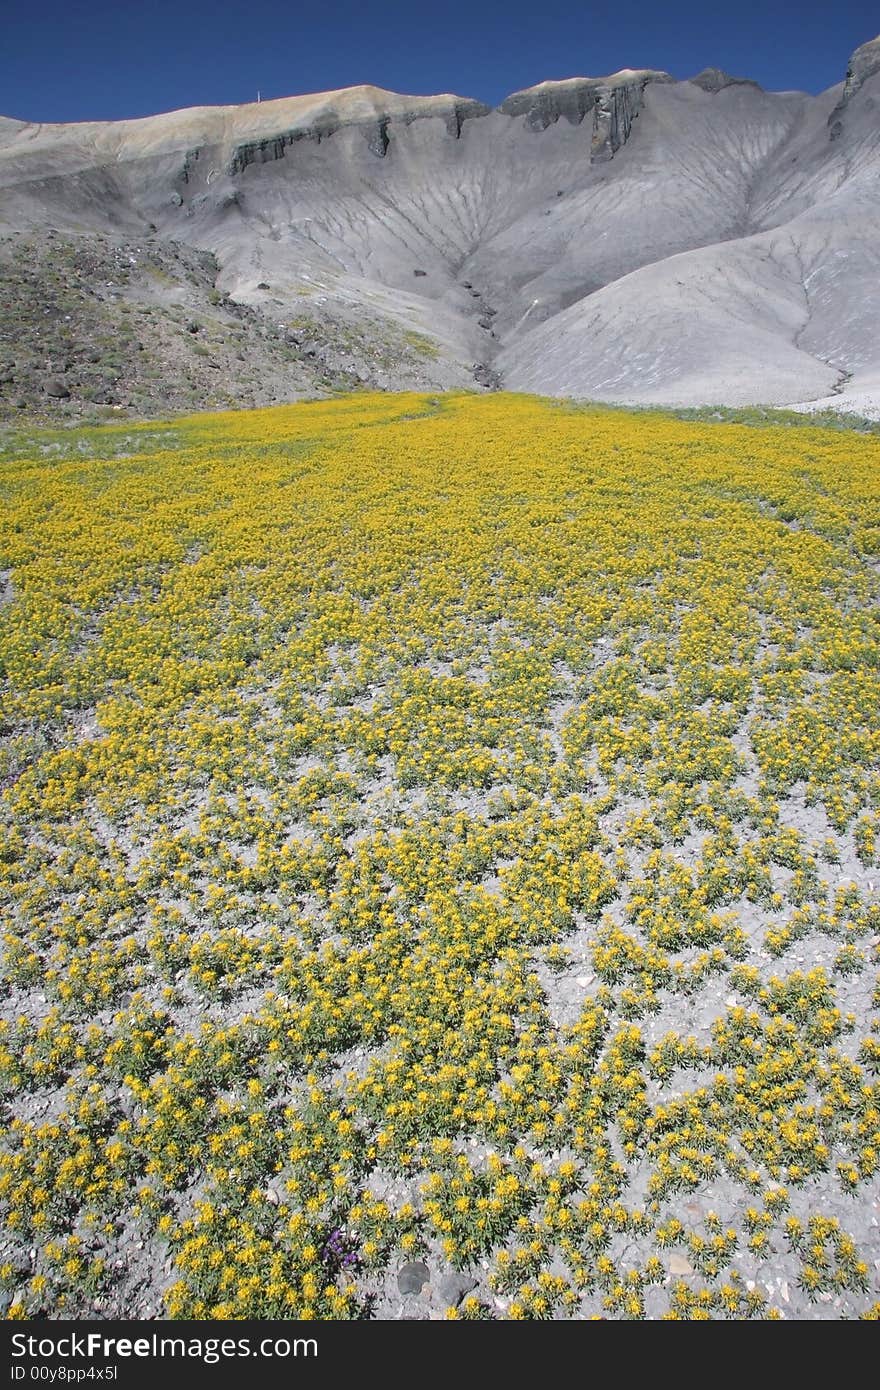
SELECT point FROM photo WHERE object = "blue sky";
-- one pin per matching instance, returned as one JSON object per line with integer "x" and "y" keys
{"x": 109, "y": 59}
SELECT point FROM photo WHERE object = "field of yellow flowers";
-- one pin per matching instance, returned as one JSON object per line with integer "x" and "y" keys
{"x": 438, "y": 851}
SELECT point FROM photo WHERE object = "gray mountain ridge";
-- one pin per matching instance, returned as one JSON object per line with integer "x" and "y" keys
{"x": 632, "y": 238}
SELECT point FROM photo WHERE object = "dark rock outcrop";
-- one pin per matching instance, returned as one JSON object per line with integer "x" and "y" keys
{"x": 266, "y": 151}
{"x": 462, "y": 111}
{"x": 616, "y": 108}
{"x": 486, "y": 376}
{"x": 542, "y": 107}
{"x": 614, "y": 103}
{"x": 190, "y": 159}
{"x": 716, "y": 79}
{"x": 864, "y": 63}
{"x": 377, "y": 138}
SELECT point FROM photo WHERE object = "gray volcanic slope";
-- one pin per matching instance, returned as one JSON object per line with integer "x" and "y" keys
{"x": 630, "y": 238}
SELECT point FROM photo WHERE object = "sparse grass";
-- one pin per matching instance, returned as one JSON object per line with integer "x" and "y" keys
{"x": 100, "y": 440}
{"x": 422, "y": 345}
{"x": 756, "y": 416}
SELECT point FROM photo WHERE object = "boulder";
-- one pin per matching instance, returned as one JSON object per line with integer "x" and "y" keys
{"x": 412, "y": 1277}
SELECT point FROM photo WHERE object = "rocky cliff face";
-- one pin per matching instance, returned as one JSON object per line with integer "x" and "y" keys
{"x": 375, "y": 131}
{"x": 864, "y": 63}
{"x": 543, "y": 106}
{"x": 613, "y": 103}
